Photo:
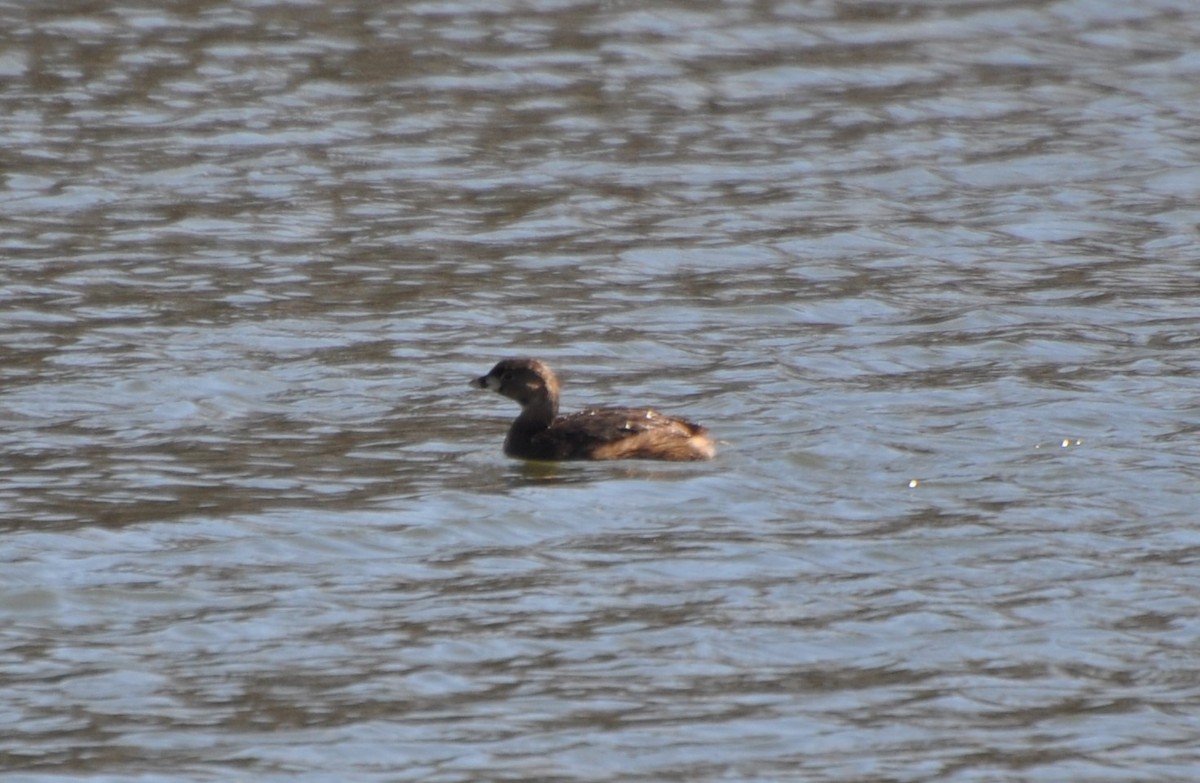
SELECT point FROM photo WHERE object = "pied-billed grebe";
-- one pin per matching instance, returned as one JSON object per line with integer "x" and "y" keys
{"x": 599, "y": 433}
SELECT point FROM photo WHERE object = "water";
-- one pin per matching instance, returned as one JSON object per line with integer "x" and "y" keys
{"x": 927, "y": 270}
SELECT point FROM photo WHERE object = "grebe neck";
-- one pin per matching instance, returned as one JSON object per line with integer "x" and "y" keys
{"x": 537, "y": 414}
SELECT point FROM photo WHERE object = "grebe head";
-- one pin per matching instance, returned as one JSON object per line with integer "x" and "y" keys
{"x": 523, "y": 380}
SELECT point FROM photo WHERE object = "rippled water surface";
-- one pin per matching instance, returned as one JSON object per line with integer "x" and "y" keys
{"x": 929, "y": 271}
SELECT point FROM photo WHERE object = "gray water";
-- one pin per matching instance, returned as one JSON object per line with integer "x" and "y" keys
{"x": 928, "y": 270}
